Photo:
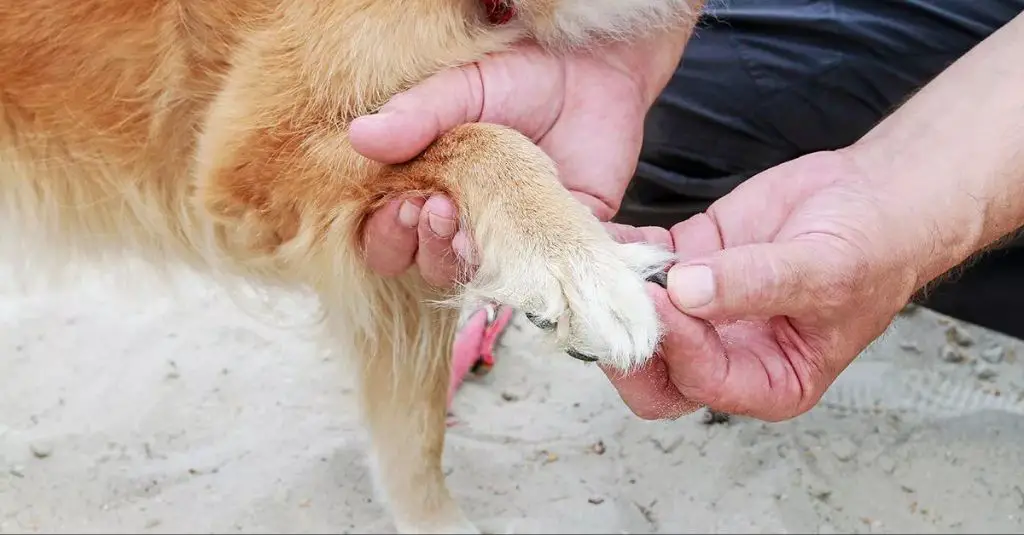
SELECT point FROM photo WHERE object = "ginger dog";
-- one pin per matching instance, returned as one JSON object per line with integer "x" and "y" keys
{"x": 212, "y": 133}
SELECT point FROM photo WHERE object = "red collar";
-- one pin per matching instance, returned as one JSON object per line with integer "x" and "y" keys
{"x": 499, "y": 11}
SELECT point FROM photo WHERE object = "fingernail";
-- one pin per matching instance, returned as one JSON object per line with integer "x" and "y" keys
{"x": 366, "y": 119}
{"x": 691, "y": 286}
{"x": 409, "y": 214}
{"x": 464, "y": 248}
{"x": 444, "y": 227}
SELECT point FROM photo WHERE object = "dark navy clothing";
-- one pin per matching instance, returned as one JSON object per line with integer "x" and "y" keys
{"x": 765, "y": 81}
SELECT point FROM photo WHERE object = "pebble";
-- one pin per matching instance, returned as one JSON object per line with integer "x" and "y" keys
{"x": 994, "y": 354}
{"x": 987, "y": 374}
{"x": 41, "y": 451}
{"x": 599, "y": 447}
{"x": 509, "y": 396}
{"x": 887, "y": 464}
{"x": 715, "y": 418}
{"x": 952, "y": 354}
{"x": 910, "y": 346}
{"x": 843, "y": 448}
{"x": 596, "y": 501}
{"x": 17, "y": 471}
{"x": 173, "y": 373}
{"x": 958, "y": 336}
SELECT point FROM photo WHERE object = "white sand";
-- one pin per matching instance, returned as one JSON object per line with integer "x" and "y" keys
{"x": 125, "y": 410}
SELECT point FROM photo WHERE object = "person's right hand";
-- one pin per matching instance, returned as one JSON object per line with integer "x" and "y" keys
{"x": 785, "y": 280}
{"x": 779, "y": 286}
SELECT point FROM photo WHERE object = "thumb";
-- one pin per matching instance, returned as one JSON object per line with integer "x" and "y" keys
{"x": 760, "y": 280}
{"x": 412, "y": 120}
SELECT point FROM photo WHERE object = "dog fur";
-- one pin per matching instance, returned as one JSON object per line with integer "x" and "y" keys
{"x": 213, "y": 133}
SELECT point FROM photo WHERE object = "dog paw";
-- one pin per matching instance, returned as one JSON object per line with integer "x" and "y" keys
{"x": 590, "y": 300}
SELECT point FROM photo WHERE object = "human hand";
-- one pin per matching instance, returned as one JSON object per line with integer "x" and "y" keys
{"x": 585, "y": 111}
{"x": 779, "y": 286}
{"x": 785, "y": 280}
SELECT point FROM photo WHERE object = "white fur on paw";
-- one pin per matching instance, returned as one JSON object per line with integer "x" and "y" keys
{"x": 611, "y": 315}
{"x": 592, "y": 297}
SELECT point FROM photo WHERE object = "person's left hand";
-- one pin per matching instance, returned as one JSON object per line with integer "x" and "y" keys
{"x": 586, "y": 111}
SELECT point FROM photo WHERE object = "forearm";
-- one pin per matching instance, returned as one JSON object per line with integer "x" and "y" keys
{"x": 953, "y": 155}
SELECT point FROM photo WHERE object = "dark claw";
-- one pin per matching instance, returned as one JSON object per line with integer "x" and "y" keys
{"x": 544, "y": 325}
{"x": 715, "y": 418}
{"x": 580, "y": 356}
{"x": 660, "y": 278}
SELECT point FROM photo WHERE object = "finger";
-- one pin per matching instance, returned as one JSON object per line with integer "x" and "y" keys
{"x": 695, "y": 237}
{"x": 435, "y": 258}
{"x": 751, "y": 281}
{"x": 630, "y": 234}
{"x": 412, "y": 120}
{"x": 693, "y": 354}
{"x": 649, "y": 392}
{"x": 390, "y": 237}
{"x": 466, "y": 250}
{"x": 599, "y": 208}
{"x": 652, "y": 392}
{"x": 701, "y": 368}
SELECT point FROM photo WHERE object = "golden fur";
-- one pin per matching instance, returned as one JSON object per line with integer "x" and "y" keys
{"x": 213, "y": 133}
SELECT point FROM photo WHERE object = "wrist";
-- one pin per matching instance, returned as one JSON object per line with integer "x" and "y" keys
{"x": 950, "y": 158}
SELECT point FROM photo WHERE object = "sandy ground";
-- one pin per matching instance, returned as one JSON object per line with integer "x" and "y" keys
{"x": 126, "y": 410}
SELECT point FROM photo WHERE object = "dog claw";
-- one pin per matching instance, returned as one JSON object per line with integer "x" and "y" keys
{"x": 580, "y": 356}
{"x": 544, "y": 325}
{"x": 660, "y": 278}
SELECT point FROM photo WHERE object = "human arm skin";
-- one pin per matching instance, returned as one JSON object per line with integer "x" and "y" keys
{"x": 954, "y": 155}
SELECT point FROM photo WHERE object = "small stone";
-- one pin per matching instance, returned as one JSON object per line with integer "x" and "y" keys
{"x": 952, "y": 354}
{"x": 596, "y": 501}
{"x": 41, "y": 451}
{"x": 509, "y": 396}
{"x": 550, "y": 457}
{"x": 822, "y": 495}
{"x": 17, "y": 471}
{"x": 152, "y": 523}
{"x": 994, "y": 354}
{"x": 173, "y": 373}
{"x": 987, "y": 374}
{"x": 958, "y": 336}
{"x": 599, "y": 448}
{"x": 887, "y": 464}
{"x": 715, "y": 418}
{"x": 843, "y": 448}
{"x": 911, "y": 347}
